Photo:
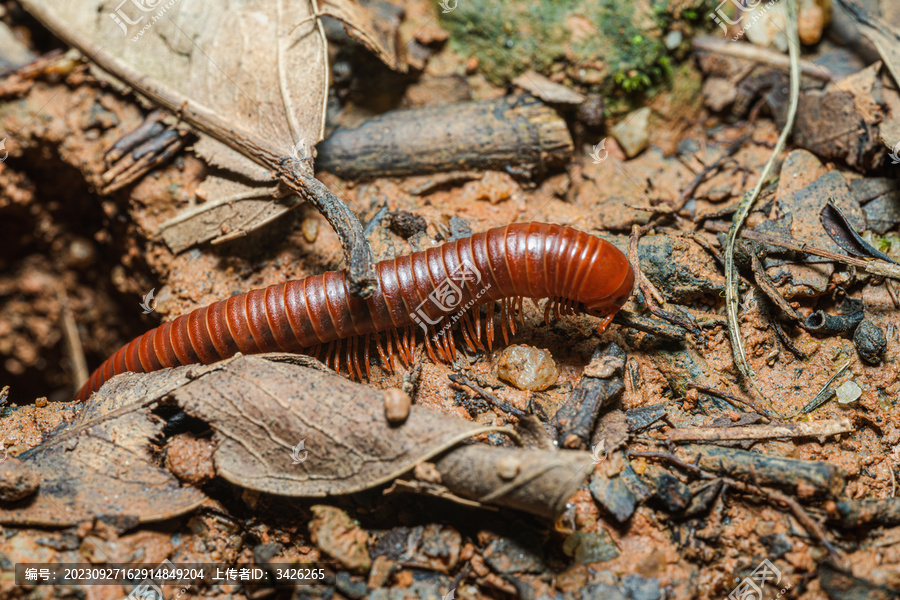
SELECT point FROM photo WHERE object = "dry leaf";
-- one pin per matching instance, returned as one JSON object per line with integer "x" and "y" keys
{"x": 100, "y": 466}
{"x": 250, "y": 73}
{"x": 377, "y": 32}
{"x": 282, "y": 424}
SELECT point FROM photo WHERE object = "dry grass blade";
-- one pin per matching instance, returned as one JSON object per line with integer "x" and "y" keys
{"x": 731, "y": 275}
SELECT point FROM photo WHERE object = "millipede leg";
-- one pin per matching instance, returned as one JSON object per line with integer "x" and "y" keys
{"x": 384, "y": 359}
{"x": 512, "y": 315}
{"x": 355, "y": 355}
{"x": 411, "y": 345}
{"x": 504, "y": 316}
{"x": 547, "y": 308}
{"x": 368, "y": 342}
{"x": 466, "y": 328}
{"x": 520, "y": 308}
{"x": 450, "y": 345}
{"x": 490, "y": 326}
{"x": 395, "y": 337}
{"x": 428, "y": 347}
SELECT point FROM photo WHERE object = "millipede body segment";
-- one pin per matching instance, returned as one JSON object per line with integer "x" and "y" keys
{"x": 426, "y": 290}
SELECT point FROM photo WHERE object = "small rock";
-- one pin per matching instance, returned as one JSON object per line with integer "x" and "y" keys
{"x": 590, "y": 113}
{"x": 587, "y": 548}
{"x": 406, "y": 224}
{"x": 17, "y": 480}
{"x": 633, "y": 132}
{"x": 527, "y": 368}
{"x": 673, "y": 39}
{"x": 549, "y": 91}
{"x": 638, "y": 587}
{"x": 718, "y": 93}
{"x": 340, "y": 537}
{"x": 189, "y": 458}
{"x": 310, "y": 230}
{"x": 506, "y": 555}
{"x": 870, "y": 341}
{"x": 41, "y": 402}
{"x": 848, "y": 392}
{"x": 396, "y": 406}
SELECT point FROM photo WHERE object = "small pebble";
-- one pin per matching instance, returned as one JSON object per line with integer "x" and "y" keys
{"x": 673, "y": 39}
{"x": 508, "y": 467}
{"x": 870, "y": 341}
{"x": 396, "y": 406}
{"x": 41, "y": 402}
{"x": 527, "y": 368}
{"x": 80, "y": 254}
{"x": 848, "y": 392}
{"x": 17, "y": 480}
{"x": 406, "y": 224}
{"x": 310, "y": 230}
{"x": 633, "y": 132}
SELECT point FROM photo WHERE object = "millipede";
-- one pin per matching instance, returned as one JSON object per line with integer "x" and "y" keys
{"x": 577, "y": 273}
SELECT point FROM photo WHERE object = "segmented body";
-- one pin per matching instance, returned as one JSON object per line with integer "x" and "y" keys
{"x": 576, "y": 270}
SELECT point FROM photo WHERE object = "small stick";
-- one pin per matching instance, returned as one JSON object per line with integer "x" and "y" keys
{"x": 812, "y": 527}
{"x": 761, "y": 432}
{"x": 766, "y": 284}
{"x": 758, "y": 54}
{"x": 74, "y": 349}
{"x": 822, "y": 396}
{"x": 872, "y": 266}
{"x": 461, "y": 379}
{"x": 730, "y": 397}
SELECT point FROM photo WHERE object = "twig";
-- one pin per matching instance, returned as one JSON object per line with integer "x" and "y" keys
{"x": 823, "y": 428}
{"x": 809, "y": 524}
{"x": 730, "y": 398}
{"x": 758, "y": 54}
{"x": 766, "y": 284}
{"x": 74, "y": 349}
{"x": 461, "y": 379}
{"x": 732, "y": 293}
{"x": 876, "y": 267}
{"x": 653, "y": 300}
{"x": 822, "y": 396}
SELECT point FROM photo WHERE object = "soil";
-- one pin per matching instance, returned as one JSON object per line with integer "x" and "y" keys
{"x": 71, "y": 253}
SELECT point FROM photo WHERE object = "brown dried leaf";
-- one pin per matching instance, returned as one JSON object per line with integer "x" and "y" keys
{"x": 261, "y": 410}
{"x": 258, "y": 66}
{"x": 377, "y": 32}
{"x": 100, "y": 465}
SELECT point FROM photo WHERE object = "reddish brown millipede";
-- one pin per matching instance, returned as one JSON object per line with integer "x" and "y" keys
{"x": 577, "y": 271}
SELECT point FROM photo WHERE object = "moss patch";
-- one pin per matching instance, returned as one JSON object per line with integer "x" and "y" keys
{"x": 605, "y": 46}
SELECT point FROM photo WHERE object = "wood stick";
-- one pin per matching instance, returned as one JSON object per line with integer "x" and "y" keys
{"x": 761, "y": 469}
{"x": 512, "y": 133}
{"x": 761, "y": 432}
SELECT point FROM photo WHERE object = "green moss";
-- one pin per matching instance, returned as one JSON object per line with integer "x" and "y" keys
{"x": 605, "y": 46}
